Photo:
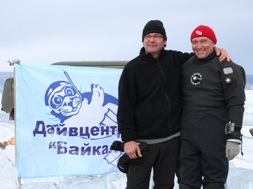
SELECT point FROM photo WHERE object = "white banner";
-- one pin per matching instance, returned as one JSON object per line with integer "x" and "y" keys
{"x": 65, "y": 120}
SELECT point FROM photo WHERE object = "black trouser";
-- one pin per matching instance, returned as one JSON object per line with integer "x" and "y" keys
{"x": 162, "y": 157}
{"x": 203, "y": 158}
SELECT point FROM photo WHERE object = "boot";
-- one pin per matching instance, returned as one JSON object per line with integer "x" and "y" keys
{"x": 212, "y": 186}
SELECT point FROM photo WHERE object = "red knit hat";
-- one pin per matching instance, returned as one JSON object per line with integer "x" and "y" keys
{"x": 204, "y": 31}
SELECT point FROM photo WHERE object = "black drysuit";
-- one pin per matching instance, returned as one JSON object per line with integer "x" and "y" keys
{"x": 213, "y": 95}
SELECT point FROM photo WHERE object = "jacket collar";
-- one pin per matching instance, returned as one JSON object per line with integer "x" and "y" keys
{"x": 148, "y": 56}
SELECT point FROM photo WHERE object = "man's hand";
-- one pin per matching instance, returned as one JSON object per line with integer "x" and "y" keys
{"x": 232, "y": 148}
{"x": 132, "y": 149}
{"x": 223, "y": 54}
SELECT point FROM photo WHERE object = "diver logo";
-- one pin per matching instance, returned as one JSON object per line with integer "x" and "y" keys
{"x": 71, "y": 107}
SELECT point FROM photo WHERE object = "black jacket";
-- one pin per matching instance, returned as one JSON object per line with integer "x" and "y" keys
{"x": 221, "y": 87}
{"x": 149, "y": 96}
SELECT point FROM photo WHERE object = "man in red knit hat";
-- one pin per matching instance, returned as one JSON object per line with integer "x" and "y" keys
{"x": 213, "y": 105}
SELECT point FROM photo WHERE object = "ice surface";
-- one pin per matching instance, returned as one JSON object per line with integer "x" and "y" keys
{"x": 240, "y": 172}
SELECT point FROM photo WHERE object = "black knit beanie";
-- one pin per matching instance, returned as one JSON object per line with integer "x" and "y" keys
{"x": 154, "y": 26}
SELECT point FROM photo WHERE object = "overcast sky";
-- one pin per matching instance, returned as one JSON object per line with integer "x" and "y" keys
{"x": 47, "y": 31}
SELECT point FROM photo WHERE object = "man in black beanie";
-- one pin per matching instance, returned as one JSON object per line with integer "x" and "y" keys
{"x": 149, "y": 109}
{"x": 154, "y": 26}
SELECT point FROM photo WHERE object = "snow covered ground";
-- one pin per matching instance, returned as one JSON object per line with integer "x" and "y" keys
{"x": 240, "y": 172}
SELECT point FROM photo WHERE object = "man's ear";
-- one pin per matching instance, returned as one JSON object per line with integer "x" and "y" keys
{"x": 165, "y": 43}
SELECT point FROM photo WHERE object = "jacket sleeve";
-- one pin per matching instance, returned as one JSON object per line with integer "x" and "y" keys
{"x": 126, "y": 105}
{"x": 182, "y": 57}
{"x": 234, "y": 81}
